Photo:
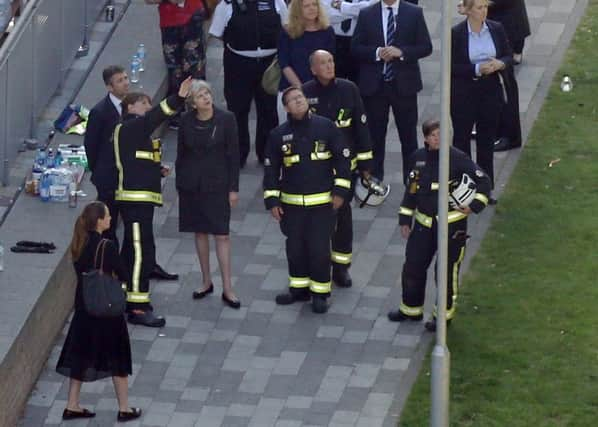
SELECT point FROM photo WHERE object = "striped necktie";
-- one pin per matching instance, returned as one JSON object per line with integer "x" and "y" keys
{"x": 389, "y": 73}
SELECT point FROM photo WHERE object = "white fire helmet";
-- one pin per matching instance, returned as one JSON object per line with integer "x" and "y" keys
{"x": 462, "y": 193}
{"x": 371, "y": 191}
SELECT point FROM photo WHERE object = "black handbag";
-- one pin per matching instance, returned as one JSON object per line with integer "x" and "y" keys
{"x": 103, "y": 295}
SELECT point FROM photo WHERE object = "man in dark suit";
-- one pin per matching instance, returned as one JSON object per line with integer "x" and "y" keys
{"x": 103, "y": 118}
{"x": 389, "y": 39}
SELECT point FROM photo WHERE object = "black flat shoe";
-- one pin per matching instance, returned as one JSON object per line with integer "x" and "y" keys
{"x": 200, "y": 295}
{"x": 67, "y": 414}
{"x": 232, "y": 303}
{"x": 132, "y": 414}
{"x": 147, "y": 318}
{"x": 160, "y": 274}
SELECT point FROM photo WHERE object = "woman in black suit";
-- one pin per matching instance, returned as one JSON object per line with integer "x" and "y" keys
{"x": 207, "y": 179}
{"x": 480, "y": 51}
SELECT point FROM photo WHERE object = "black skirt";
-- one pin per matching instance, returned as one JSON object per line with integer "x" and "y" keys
{"x": 201, "y": 212}
{"x": 95, "y": 348}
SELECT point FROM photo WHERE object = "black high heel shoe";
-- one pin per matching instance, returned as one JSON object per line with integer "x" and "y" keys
{"x": 200, "y": 295}
{"x": 132, "y": 414}
{"x": 232, "y": 303}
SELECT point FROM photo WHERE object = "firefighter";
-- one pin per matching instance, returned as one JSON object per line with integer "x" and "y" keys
{"x": 302, "y": 190}
{"x": 339, "y": 100}
{"x": 418, "y": 222}
{"x": 138, "y": 161}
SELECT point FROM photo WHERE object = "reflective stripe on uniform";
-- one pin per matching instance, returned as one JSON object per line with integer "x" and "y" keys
{"x": 365, "y": 155}
{"x": 405, "y": 211}
{"x": 166, "y": 108}
{"x": 138, "y": 196}
{"x": 148, "y": 155}
{"x": 271, "y": 193}
{"x": 306, "y": 199}
{"x": 456, "y": 274}
{"x": 434, "y": 186}
{"x": 298, "y": 282}
{"x": 341, "y": 182}
{"x": 450, "y": 313}
{"x": 156, "y": 144}
{"x": 324, "y": 155}
{"x": 482, "y": 198}
{"x": 319, "y": 287}
{"x": 353, "y": 163}
{"x": 138, "y": 297}
{"x": 119, "y": 165}
{"x": 137, "y": 257}
{"x": 289, "y": 160}
{"x": 411, "y": 311}
{"x": 340, "y": 258}
{"x": 427, "y": 221}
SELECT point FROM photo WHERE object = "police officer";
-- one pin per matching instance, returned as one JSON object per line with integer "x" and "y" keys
{"x": 339, "y": 100}
{"x": 306, "y": 178}
{"x": 250, "y": 31}
{"x": 138, "y": 161}
{"x": 420, "y": 203}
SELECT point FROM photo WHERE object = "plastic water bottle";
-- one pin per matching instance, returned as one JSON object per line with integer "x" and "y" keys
{"x": 566, "y": 84}
{"x": 40, "y": 158}
{"x": 44, "y": 188}
{"x": 135, "y": 64}
{"x": 1, "y": 257}
{"x": 58, "y": 159}
{"x": 141, "y": 56}
{"x": 51, "y": 159}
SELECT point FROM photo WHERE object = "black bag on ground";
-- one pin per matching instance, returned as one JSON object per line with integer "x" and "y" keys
{"x": 103, "y": 295}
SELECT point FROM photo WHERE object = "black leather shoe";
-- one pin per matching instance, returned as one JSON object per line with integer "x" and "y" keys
{"x": 67, "y": 414}
{"x": 319, "y": 304}
{"x": 232, "y": 303}
{"x": 341, "y": 277}
{"x": 200, "y": 295}
{"x": 430, "y": 325}
{"x": 492, "y": 201}
{"x": 503, "y": 144}
{"x": 399, "y": 316}
{"x": 292, "y": 297}
{"x": 132, "y": 414}
{"x": 159, "y": 274}
{"x": 147, "y": 318}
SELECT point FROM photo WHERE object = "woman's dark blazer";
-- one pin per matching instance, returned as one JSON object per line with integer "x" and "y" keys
{"x": 208, "y": 165}
{"x": 512, "y": 14}
{"x": 462, "y": 70}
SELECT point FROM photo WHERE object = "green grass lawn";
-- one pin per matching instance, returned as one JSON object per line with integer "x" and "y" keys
{"x": 524, "y": 345}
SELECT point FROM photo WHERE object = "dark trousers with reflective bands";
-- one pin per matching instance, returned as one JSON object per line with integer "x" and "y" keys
{"x": 421, "y": 248}
{"x": 138, "y": 251}
{"x": 308, "y": 232}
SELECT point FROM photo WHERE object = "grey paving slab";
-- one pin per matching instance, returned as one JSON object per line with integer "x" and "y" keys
{"x": 266, "y": 365}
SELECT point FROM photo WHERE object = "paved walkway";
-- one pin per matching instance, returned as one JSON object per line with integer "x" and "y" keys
{"x": 265, "y": 365}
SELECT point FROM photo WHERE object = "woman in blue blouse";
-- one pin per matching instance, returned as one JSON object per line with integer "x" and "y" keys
{"x": 308, "y": 30}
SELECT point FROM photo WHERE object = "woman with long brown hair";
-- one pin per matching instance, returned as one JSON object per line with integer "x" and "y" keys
{"x": 95, "y": 348}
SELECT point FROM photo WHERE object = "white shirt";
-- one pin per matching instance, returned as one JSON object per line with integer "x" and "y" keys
{"x": 117, "y": 103}
{"x": 348, "y": 10}
{"x": 224, "y": 11}
{"x": 395, "y": 11}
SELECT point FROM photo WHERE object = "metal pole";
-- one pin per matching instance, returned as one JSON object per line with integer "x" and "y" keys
{"x": 84, "y": 48}
{"x": 439, "y": 416}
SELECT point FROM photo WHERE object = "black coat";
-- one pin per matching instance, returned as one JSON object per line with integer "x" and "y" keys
{"x": 512, "y": 14}
{"x": 103, "y": 117}
{"x": 212, "y": 164}
{"x": 412, "y": 37}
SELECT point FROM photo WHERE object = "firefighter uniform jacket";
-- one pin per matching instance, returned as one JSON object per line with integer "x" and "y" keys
{"x": 138, "y": 156}
{"x": 309, "y": 152}
{"x": 341, "y": 102}
{"x": 421, "y": 196}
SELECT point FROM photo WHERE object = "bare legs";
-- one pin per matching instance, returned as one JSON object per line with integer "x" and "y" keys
{"x": 74, "y": 393}
{"x": 223, "y": 254}
{"x": 121, "y": 387}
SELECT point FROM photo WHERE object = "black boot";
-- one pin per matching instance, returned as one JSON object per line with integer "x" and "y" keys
{"x": 160, "y": 274}
{"x": 341, "y": 276}
{"x": 319, "y": 304}
{"x": 147, "y": 318}
{"x": 399, "y": 316}
{"x": 430, "y": 325}
{"x": 293, "y": 296}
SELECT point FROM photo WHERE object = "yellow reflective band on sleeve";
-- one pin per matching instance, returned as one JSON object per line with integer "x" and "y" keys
{"x": 454, "y": 216}
{"x": 137, "y": 257}
{"x": 156, "y": 144}
{"x": 289, "y": 160}
{"x": 298, "y": 282}
{"x": 341, "y": 258}
{"x": 306, "y": 199}
{"x": 405, "y": 211}
{"x": 166, "y": 108}
{"x": 271, "y": 193}
{"x": 319, "y": 287}
{"x": 119, "y": 165}
{"x": 366, "y": 155}
{"x": 138, "y": 196}
{"x": 344, "y": 123}
{"x": 341, "y": 182}
{"x": 353, "y": 163}
{"x": 482, "y": 198}
{"x": 411, "y": 311}
{"x": 145, "y": 155}
{"x": 434, "y": 186}
{"x": 324, "y": 155}
{"x": 423, "y": 219}
{"x": 138, "y": 297}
